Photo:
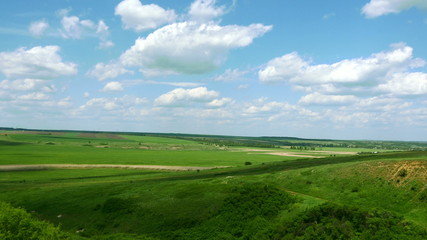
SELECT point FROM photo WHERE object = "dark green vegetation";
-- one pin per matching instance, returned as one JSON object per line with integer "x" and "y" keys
{"x": 16, "y": 223}
{"x": 366, "y": 196}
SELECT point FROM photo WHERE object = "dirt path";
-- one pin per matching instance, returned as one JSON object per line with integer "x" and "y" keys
{"x": 29, "y": 167}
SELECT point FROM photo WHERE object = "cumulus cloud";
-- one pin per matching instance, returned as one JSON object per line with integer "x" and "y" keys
{"x": 37, "y": 63}
{"x": 321, "y": 99}
{"x": 34, "y": 96}
{"x": 38, "y": 28}
{"x": 175, "y": 84}
{"x": 103, "y": 71}
{"x": 381, "y": 104}
{"x": 376, "y": 8}
{"x": 217, "y": 103}
{"x": 113, "y": 87}
{"x": 406, "y": 84}
{"x": 22, "y": 84}
{"x": 262, "y": 106}
{"x": 291, "y": 67}
{"x": 389, "y": 73}
{"x": 283, "y": 68}
{"x": 189, "y": 47}
{"x": 181, "y": 96}
{"x": 118, "y": 103}
{"x": 205, "y": 10}
{"x": 141, "y": 17}
{"x": 75, "y": 28}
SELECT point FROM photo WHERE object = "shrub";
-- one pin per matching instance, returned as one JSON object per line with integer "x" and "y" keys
{"x": 247, "y": 213}
{"x": 403, "y": 173}
{"x": 331, "y": 221}
{"x": 16, "y": 223}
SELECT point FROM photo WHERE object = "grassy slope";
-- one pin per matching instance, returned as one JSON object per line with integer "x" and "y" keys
{"x": 182, "y": 200}
{"x": 154, "y": 201}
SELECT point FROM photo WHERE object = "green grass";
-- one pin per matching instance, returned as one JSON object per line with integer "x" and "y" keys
{"x": 45, "y": 154}
{"x": 120, "y": 203}
{"x": 157, "y": 203}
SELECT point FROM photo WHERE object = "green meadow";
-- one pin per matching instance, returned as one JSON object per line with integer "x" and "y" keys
{"x": 353, "y": 192}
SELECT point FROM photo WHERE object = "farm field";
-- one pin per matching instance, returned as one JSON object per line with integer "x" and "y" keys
{"x": 275, "y": 192}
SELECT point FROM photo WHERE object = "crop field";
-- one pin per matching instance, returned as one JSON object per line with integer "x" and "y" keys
{"x": 236, "y": 188}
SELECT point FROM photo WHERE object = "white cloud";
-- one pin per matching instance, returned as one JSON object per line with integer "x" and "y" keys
{"x": 278, "y": 112}
{"x": 243, "y": 86}
{"x": 103, "y": 34}
{"x": 175, "y": 84}
{"x": 261, "y": 106}
{"x": 217, "y": 103}
{"x": 73, "y": 27}
{"x": 103, "y": 71}
{"x": 34, "y": 96}
{"x": 37, "y": 63}
{"x": 205, "y": 10}
{"x": 180, "y": 96}
{"x": 381, "y": 104}
{"x": 105, "y": 44}
{"x": 64, "y": 102}
{"x": 230, "y": 75}
{"x": 402, "y": 84}
{"x": 113, "y": 87}
{"x": 38, "y": 28}
{"x": 291, "y": 67}
{"x": 188, "y": 47}
{"x": 387, "y": 72}
{"x": 122, "y": 104}
{"x": 283, "y": 68}
{"x": 320, "y": 99}
{"x": 376, "y": 8}
{"x": 141, "y": 17}
{"x": 62, "y": 12}
{"x": 27, "y": 84}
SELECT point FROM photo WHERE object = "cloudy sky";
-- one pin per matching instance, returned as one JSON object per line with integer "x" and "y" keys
{"x": 354, "y": 69}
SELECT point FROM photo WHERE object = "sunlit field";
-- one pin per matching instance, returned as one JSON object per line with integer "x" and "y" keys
{"x": 239, "y": 189}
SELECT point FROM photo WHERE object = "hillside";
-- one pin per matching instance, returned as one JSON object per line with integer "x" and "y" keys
{"x": 263, "y": 193}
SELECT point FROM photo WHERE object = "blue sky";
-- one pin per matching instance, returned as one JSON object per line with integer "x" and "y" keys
{"x": 315, "y": 69}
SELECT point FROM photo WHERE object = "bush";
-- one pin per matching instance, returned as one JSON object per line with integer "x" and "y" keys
{"x": 403, "y": 173}
{"x": 17, "y": 224}
{"x": 247, "y": 213}
{"x": 331, "y": 221}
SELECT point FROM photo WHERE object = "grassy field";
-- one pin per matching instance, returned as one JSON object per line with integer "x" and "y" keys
{"x": 260, "y": 200}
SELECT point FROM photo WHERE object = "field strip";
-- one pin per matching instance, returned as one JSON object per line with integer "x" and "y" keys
{"x": 29, "y": 167}
{"x": 285, "y": 154}
{"x": 335, "y": 152}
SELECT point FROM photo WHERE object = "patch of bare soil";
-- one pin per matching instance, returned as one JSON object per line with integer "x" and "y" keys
{"x": 30, "y": 167}
{"x": 402, "y": 173}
